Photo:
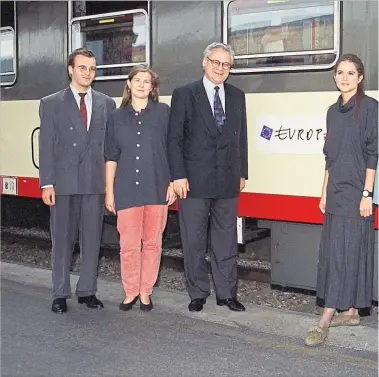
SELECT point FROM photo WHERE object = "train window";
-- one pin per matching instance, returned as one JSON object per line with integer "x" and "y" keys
{"x": 272, "y": 35}
{"x": 8, "y": 43}
{"x": 116, "y": 31}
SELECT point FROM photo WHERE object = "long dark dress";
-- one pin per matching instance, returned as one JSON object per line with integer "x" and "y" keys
{"x": 346, "y": 259}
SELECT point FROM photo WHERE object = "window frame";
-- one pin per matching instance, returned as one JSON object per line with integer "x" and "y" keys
{"x": 310, "y": 67}
{"x": 71, "y": 20}
{"x": 15, "y": 56}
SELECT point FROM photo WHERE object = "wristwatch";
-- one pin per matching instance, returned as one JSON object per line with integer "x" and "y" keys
{"x": 367, "y": 194}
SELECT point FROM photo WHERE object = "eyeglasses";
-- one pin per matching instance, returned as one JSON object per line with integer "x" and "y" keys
{"x": 217, "y": 63}
{"x": 84, "y": 69}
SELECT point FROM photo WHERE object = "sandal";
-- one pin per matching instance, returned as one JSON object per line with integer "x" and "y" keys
{"x": 345, "y": 320}
{"x": 316, "y": 335}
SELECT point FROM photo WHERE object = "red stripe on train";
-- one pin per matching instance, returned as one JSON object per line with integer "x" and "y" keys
{"x": 25, "y": 186}
{"x": 280, "y": 207}
{"x": 28, "y": 187}
{"x": 283, "y": 207}
{"x": 260, "y": 206}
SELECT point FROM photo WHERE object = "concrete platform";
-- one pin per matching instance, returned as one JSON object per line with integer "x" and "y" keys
{"x": 264, "y": 320}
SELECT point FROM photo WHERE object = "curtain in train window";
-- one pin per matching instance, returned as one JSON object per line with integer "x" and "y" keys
{"x": 119, "y": 40}
{"x": 272, "y": 34}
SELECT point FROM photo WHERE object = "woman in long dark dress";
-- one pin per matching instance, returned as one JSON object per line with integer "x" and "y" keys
{"x": 346, "y": 259}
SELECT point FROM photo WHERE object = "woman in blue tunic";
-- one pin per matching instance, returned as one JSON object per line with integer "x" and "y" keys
{"x": 346, "y": 259}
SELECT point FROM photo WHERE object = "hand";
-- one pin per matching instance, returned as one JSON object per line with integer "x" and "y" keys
{"x": 322, "y": 204}
{"x": 109, "y": 202}
{"x": 365, "y": 207}
{"x": 170, "y": 196}
{"x": 48, "y": 196}
{"x": 181, "y": 187}
{"x": 242, "y": 183}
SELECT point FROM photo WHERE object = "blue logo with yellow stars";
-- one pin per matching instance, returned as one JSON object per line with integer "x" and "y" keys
{"x": 266, "y": 132}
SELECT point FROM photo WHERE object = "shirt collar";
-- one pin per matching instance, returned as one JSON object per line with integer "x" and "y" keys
{"x": 150, "y": 105}
{"x": 209, "y": 86}
{"x": 76, "y": 93}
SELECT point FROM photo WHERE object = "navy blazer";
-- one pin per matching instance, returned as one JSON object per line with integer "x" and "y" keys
{"x": 72, "y": 158}
{"x": 213, "y": 162}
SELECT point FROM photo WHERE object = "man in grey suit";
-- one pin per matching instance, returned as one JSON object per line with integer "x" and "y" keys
{"x": 207, "y": 145}
{"x": 72, "y": 177}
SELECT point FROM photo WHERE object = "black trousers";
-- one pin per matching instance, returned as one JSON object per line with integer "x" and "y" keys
{"x": 193, "y": 219}
{"x": 72, "y": 215}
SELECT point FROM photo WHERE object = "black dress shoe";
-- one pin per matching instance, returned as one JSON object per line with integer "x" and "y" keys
{"x": 146, "y": 307}
{"x": 129, "y": 305}
{"x": 196, "y": 305}
{"x": 59, "y": 305}
{"x": 232, "y": 304}
{"x": 91, "y": 301}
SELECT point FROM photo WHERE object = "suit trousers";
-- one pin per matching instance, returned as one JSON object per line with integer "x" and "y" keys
{"x": 141, "y": 230}
{"x": 194, "y": 215}
{"x": 72, "y": 215}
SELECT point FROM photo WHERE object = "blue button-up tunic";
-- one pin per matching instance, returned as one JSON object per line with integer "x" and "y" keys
{"x": 137, "y": 141}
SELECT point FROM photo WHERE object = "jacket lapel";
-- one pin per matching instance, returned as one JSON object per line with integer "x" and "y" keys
{"x": 96, "y": 120}
{"x": 229, "y": 110}
{"x": 74, "y": 113}
{"x": 228, "y": 130}
{"x": 205, "y": 107}
{"x": 97, "y": 111}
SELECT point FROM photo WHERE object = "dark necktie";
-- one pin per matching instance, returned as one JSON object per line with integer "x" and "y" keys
{"x": 83, "y": 108}
{"x": 218, "y": 110}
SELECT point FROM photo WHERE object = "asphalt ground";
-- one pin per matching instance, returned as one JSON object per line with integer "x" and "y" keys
{"x": 168, "y": 341}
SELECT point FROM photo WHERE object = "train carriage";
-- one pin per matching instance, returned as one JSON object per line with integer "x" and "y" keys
{"x": 285, "y": 52}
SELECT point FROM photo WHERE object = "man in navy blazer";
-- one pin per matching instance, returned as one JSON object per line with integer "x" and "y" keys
{"x": 207, "y": 144}
{"x": 72, "y": 177}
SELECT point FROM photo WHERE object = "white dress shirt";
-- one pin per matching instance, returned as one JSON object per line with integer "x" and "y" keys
{"x": 210, "y": 90}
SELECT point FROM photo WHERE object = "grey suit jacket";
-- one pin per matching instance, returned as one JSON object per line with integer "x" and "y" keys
{"x": 72, "y": 158}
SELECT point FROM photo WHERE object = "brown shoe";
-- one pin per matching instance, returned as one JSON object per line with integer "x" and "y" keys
{"x": 340, "y": 319}
{"x": 316, "y": 335}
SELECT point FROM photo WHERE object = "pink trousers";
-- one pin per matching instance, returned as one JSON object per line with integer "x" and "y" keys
{"x": 141, "y": 230}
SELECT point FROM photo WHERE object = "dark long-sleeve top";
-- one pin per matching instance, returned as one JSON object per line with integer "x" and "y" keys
{"x": 351, "y": 147}
{"x": 137, "y": 142}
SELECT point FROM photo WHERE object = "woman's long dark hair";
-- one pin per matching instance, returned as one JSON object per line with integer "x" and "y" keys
{"x": 361, "y": 72}
{"x": 154, "y": 94}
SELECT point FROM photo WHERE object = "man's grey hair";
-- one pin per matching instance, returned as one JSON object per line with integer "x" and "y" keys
{"x": 225, "y": 47}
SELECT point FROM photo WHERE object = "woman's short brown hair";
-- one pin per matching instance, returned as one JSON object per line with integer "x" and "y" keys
{"x": 154, "y": 94}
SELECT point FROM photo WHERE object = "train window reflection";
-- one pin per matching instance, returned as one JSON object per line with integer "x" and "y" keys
{"x": 120, "y": 40}
{"x": 269, "y": 36}
{"x": 8, "y": 53}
